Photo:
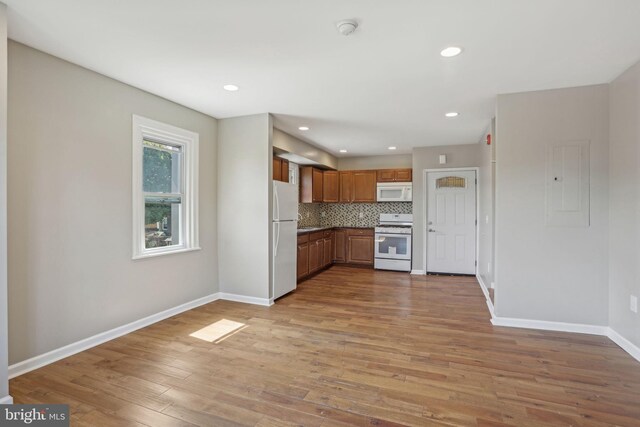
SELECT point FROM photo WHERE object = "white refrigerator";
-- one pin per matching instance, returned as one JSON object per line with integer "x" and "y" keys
{"x": 285, "y": 238}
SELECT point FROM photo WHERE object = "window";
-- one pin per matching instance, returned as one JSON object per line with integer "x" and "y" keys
{"x": 165, "y": 189}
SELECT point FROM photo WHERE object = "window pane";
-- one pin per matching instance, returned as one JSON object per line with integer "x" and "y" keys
{"x": 161, "y": 168}
{"x": 162, "y": 222}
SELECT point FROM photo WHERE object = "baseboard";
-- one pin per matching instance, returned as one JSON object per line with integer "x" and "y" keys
{"x": 485, "y": 291}
{"x": 76, "y": 347}
{"x": 7, "y": 400}
{"x": 550, "y": 326}
{"x": 625, "y": 344}
{"x": 420, "y": 272}
{"x": 246, "y": 299}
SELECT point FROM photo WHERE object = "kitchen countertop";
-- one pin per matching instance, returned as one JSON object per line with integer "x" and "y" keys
{"x": 313, "y": 229}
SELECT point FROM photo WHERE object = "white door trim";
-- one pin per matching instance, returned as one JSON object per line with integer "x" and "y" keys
{"x": 425, "y": 213}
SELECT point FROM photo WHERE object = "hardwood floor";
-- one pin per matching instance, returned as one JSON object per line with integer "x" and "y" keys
{"x": 350, "y": 347}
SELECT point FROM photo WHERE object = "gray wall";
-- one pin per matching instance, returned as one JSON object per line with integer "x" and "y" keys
{"x": 244, "y": 205}
{"x": 291, "y": 144}
{"x": 4, "y": 384}
{"x": 375, "y": 162}
{"x": 485, "y": 208}
{"x": 550, "y": 273}
{"x": 624, "y": 199}
{"x": 70, "y": 270}
{"x": 458, "y": 156}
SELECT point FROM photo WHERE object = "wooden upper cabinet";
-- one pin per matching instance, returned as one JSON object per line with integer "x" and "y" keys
{"x": 404, "y": 175}
{"x": 277, "y": 168}
{"x": 284, "y": 174}
{"x": 317, "y": 185}
{"x": 310, "y": 185}
{"x": 357, "y": 186}
{"x": 385, "y": 175}
{"x": 395, "y": 175}
{"x": 364, "y": 186}
{"x": 280, "y": 169}
{"x": 346, "y": 186}
{"x": 330, "y": 187}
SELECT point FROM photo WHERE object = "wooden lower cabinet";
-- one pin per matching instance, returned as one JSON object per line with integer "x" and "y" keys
{"x": 315, "y": 257}
{"x": 360, "y": 247}
{"x": 327, "y": 258}
{"x": 340, "y": 246}
{"x": 321, "y": 249}
{"x": 303, "y": 260}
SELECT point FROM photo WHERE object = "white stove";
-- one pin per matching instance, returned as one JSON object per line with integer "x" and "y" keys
{"x": 393, "y": 242}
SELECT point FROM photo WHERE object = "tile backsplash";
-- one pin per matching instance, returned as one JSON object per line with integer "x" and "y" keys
{"x": 348, "y": 214}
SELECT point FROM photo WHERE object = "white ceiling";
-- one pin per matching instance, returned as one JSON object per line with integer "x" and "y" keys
{"x": 384, "y": 85}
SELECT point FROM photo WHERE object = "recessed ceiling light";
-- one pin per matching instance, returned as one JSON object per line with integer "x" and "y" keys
{"x": 452, "y": 114}
{"x": 230, "y": 88}
{"x": 450, "y": 51}
{"x": 343, "y": 151}
{"x": 303, "y": 128}
{"x": 392, "y": 148}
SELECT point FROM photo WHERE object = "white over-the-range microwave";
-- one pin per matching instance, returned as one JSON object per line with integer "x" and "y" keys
{"x": 394, "y": 192}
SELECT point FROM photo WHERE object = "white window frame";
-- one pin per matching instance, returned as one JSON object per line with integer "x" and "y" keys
{"x": 144, "y": 128}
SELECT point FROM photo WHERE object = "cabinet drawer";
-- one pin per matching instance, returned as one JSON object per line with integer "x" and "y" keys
{"x": 328, "y": 233}
{"x": 318, "y": 235}
{"x": 303, "y": 238}
{"x": 360, "y": 232}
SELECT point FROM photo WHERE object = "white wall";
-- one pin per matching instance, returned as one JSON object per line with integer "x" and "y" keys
{"x": 550, "y": 273}
{"x": 624, "y": 199}
{"x": 244, "y": 205}
{"x": 71, "y": 275}
{"x": 428, "y": 158}
{"x": 4, "y": 354}
{"x": 291, "y": 144}
{"x": 375, "y": 162}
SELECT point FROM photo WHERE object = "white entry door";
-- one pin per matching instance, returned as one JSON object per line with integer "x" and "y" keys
{"x": 451, "y": 222}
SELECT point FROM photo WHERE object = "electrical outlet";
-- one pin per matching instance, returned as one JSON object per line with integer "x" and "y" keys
{"x": 489, "y": 267}
{"x": 633, "y": 303}
{"x": 486, "y": 219}
{"x": 323, "y": 214}
{"x": 361, "y": 215}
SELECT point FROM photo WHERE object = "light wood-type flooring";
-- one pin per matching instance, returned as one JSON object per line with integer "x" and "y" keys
{"x": 349, "y": 347}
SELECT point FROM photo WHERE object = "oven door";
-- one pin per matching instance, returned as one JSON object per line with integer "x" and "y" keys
{"x": 393, "y": 246}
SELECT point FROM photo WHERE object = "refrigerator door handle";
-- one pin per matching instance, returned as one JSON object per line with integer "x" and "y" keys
{"x": 277, "y": 203}
{"x": 277, "y": 240}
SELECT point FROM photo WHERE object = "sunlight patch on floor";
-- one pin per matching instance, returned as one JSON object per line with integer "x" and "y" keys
{"x": 217, "y": 331}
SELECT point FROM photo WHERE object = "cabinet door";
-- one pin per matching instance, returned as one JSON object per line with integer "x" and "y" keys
{"x": 314, "y": 256}
{"x": 303, "y": 260}
{"x": 364, "y": 184}
{"x": 330, "y": 190}
{"x": 386, "y": 175}
{"x": 320, "y": 244}
{"x": 339, "y": 254}
{"x": 328, "y": 252}
{"x": 306, "y": 184}
{"x": 317, "y": 185}
{"x": 403, "y": 175}
{"x": 284, "y": 174}
{"x": 360, "y": 250}
{"x": 346, "y": 186}
{"x": 277, "y": 169}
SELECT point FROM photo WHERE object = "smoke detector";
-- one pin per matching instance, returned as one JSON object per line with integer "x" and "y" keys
{"x": 347, "y": 27}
